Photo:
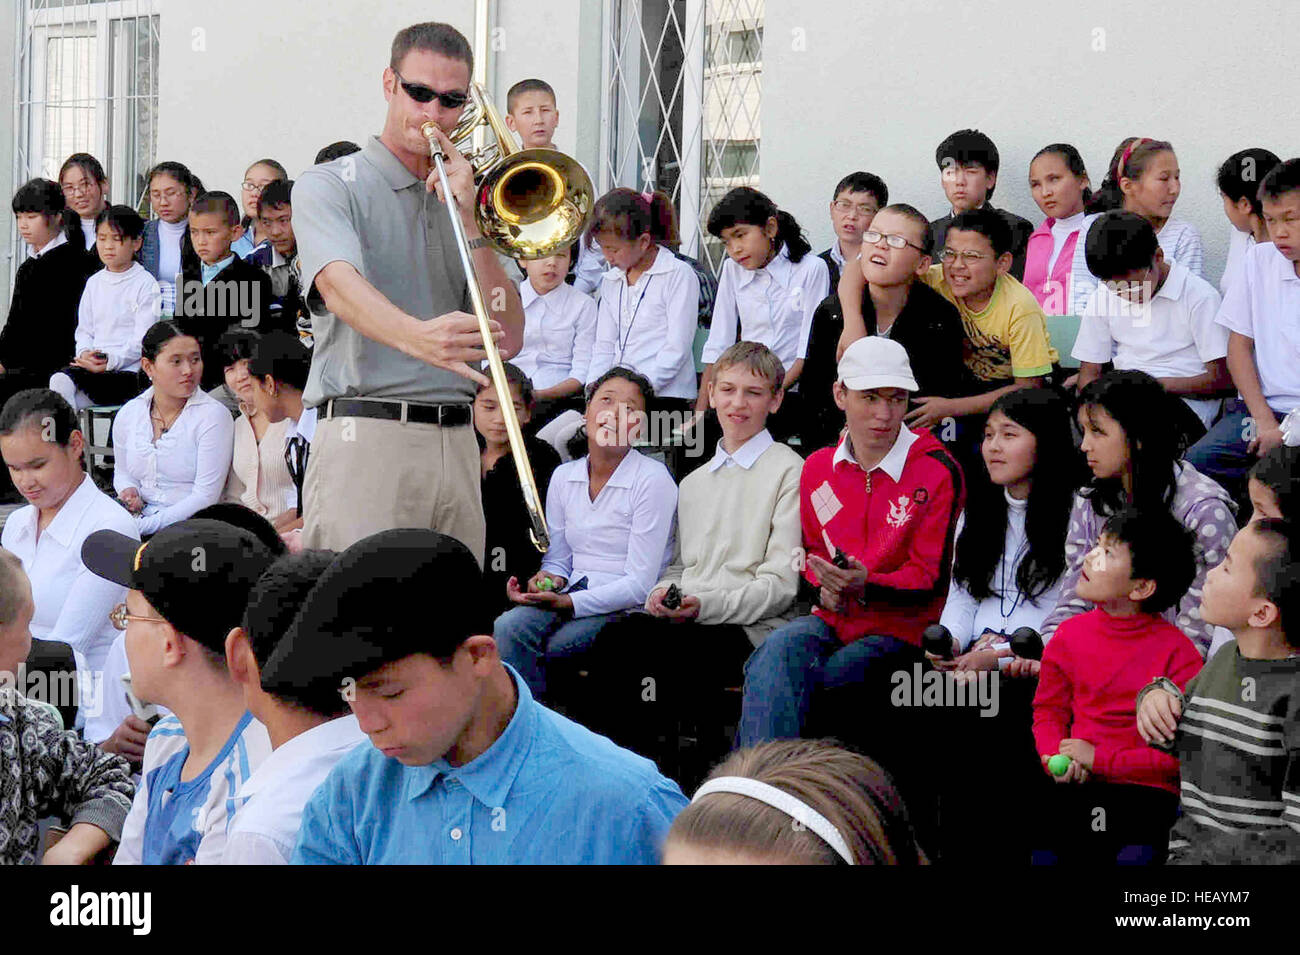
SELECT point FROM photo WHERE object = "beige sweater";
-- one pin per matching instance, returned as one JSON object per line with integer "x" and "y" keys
{"x": 259, "y": 478}
{"x": 738, "y": 538}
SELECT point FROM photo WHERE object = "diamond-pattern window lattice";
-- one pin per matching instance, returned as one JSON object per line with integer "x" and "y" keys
{"x": 684, "y": 84}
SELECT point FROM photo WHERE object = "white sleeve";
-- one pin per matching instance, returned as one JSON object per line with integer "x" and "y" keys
{"x": 130, "y": 849}
{"x": 559, "y": 555}
{"x": 84, "y": 614}
{"x": 960, "y": 607}
{"x": 85, "y": 334}
{"x": 815, "y": 287}
{"x": 602, "y": 352}
{"x": 1211, "y": 338}
{"x": 253, "y": 848}
{"x": 215, "y": 443}
{"x": 682, "y": 315}
{"x": 1094, "y": 342}
{"x": 145, "y": 311}
{"x": 584, "y": 340}
{"x": 723, "y": 330}
{"x": 123, "y": 478}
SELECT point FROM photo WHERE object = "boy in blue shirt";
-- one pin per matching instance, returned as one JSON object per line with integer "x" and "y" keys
{"x": 463, "y": 766}
{"x": 186, "y": 590}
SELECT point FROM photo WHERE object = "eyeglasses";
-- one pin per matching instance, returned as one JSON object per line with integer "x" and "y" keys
{"x": 425, "y": 94}
{"x": 79, "y": 188}
{"x": 119, "y": 618}
{"x": 968, "y": 257}
{"x": 892, "y": 239}
{"x": 861, "y": 208}
{"x": 169, "y": 194}
{"x": 256, "y": 187}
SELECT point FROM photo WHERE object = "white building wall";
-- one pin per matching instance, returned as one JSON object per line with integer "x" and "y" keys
{"x": 877, "y": 84}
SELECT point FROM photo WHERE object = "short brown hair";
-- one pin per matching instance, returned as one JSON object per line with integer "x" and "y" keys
{"x": 756, "y": 357}
{"x": 442, "y": 38}
{"x": 527, "y": 86}
{"x": 850, "y": 790}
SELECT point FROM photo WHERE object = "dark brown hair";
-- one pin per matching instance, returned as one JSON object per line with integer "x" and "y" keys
{"x": 441, "y": 38}
{"x": 628, "y": 215}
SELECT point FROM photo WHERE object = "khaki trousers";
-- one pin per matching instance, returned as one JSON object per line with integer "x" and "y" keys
{"x": 366, "y": 475}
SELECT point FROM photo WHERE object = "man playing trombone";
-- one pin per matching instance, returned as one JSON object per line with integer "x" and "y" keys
{"x": 396, "y": 352}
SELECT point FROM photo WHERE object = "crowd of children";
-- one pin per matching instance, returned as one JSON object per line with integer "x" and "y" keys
{"x": 890, "y": 479}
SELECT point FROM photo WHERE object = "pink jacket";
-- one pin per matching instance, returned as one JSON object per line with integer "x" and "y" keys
{"x": 1052, "y": 291}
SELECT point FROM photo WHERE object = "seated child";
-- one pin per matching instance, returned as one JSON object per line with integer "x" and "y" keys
{"x": 278, "y": 368}
{"x": 46, "y": 771}
{"x": 225, "y": 292}
{"x": 968, "y": 166}
{"x": 309, "y": 732}
{"x": 531, "y": 112}
{"x": 611, "y": 516}
{"x": 855, "y": 202}
{"x": 767, "y": 293}
{"x": 738, "y": 524}
{"x": 335, "y": 150}
{"x": 649, "y": 299}
{"x": 1274, "y": 485}
{"x": 509, "y": 550}
{"x": 253, "y": 235}
{"x": 1058, "y": 181}
{"x": 167, "y": 249}
{"x": 1238, "y": 180}
{"x": 119, "y": 304}
{"x": 1085, "y": 706}
{"x": 278, "y": 258}
{"x": 1238, "y": 752}
{"x": 794, "y": 802}
{"x": 187, "y": 587}
{"x": 1153, "y": 315}
{"x": 559, "y": 332}
{"x": 894, "y": 305}
{"x": 1259, "y": 315}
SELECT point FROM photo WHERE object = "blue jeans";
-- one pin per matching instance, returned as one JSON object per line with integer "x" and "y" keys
{"x": 529, "y": 636}
{"x": 782, "y": 675}
{"x": 1222, "y": 453}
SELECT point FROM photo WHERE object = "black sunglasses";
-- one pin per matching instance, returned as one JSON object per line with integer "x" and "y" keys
{"x": 424, "y": 94}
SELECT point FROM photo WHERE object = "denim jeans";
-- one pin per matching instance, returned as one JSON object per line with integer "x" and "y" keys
{"x": 1222, "y": 453}
{"x": 528, "y": 636}
{"x": 782, "y": 675}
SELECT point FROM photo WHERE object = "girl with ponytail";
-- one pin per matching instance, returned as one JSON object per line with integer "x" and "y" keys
{"x": 767, "y": 293}
{"x": 1058, "y": 181}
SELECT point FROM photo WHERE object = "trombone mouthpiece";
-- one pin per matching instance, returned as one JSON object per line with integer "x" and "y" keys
{"x": 428, "y": 129}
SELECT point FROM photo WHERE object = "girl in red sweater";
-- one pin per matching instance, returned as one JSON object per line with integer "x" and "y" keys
{"x": 1085, "y": 709}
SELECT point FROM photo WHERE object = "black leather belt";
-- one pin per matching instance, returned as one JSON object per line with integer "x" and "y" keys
{"x": 446, "y": 416}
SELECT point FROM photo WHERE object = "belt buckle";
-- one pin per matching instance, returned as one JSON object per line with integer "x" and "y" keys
{"x": 405, "y": 406}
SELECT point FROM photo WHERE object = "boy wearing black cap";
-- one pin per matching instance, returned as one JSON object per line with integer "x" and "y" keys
{"x": 186, "y": 590}
{"x": 465, "y": 767}
{"x": 309, "y": 732}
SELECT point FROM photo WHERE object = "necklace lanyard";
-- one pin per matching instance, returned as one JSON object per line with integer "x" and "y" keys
{"x": 1002, "y": 584}
{"x": 624, "y": 339}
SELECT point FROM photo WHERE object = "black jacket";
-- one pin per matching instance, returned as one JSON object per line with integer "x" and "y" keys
{"x": 1021, "y": 230}
{"x": 39, "y": 334}
{"x": 239, "y": 296}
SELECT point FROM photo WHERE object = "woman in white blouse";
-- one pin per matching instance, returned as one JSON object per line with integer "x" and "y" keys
{"x": 42, "y": 448}
{"x": 173, "y": 444}
{"x": 259, "y": 477}
{"x": 611, "y": 516}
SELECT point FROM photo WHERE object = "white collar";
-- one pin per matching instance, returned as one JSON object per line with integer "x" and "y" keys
{"x": 337, "y": 735}
{"x": 664, "y": 262}
{"x": 528, "y": 294}
{"x": 172, "y": 228}
{"x": 892, "y": 463}
{"x": 65, "y": 521}
{"x": 623, "y": 475}
{"x": 780, "y": 268}
{"x": 58, "y": 240}
{"x": 117, "y": 278}
{"x": 746, "y": 455}
{"x": 305, "y": 425}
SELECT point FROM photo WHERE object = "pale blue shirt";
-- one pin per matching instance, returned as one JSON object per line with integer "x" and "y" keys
{"x": 548, "y": 792}
{"x": 210, "y": 272}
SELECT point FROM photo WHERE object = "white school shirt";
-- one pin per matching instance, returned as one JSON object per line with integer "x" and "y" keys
{"x": 116, "y": 310}
{"x": 185, "y": 471}
{"x": 265, "y": 829}
{"x": 1061, "y": 230}
{"x": 773, "y": 305}
{"x": 169, "y": 259}
{"x": 559, "y": 332}
{"x": 1172, "y": 336}
{"x": 88, "y": 230}
{"x": 595, "y": 539}
{"x": 58, "y": 240}
{"x": 72, "y": 604}
{"x": 304, "y": 427}
{"x": 590, "y": 268}
{"x": 1007, "y": 609}
{"x": 650, "y": 326}
{"x": 1265, "y": 306}
{"x": 1179, "y": 241}
{"x": 1239, "y": 243}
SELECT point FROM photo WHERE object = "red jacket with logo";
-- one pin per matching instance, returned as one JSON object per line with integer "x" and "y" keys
{"x": 901, "y": 531}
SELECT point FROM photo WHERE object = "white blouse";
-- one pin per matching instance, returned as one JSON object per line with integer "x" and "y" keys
{"x": 185, "y": 470}
{"x": 559, "y": 331}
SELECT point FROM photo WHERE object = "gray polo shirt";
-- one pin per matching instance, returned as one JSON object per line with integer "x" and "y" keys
{"x": 367, "y": 209}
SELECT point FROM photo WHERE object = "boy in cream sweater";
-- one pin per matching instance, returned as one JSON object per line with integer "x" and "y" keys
{"x": 734, "y": 573}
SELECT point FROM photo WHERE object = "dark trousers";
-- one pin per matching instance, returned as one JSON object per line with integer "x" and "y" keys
{"x": 1222, "y": 452}
{"x": 105, "y": 387}
{"x": 1104, "y": 824}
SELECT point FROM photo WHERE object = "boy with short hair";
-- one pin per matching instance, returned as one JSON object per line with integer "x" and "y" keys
{"x": 227, "y": 291}
{"x": 531, "y": 112}
{"x": 1092, "y": 669}
{"x": 1238, "y": 751}
{"x": 855, "y": 202}
{"x": 968, "y": 166}
{"x": 881, "y": 295}
{"x": 118, "y": 305}
{"x": 1260, "y": 313}
{"x": 278, "y": 367}
{"x": 47, "y": 771}
{"x": 279, "y": 258}
{"x": 1153, "y": 315}
{"x": 186, "y": 591}
{"x": 464, "y": 766}
{"x": 309, "y": 733}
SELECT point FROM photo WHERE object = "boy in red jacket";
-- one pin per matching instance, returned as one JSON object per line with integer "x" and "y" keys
{"x": 1093, "y": 668}
{"x": 885, "y": 500}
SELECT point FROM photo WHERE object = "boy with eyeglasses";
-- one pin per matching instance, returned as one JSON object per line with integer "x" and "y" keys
{"x": 895, "y": 253}
{"x": 855, "y": 202}
{"x": 186, "y": 591}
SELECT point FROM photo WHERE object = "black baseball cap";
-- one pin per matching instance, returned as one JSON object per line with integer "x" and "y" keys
{"x": 386, "y": 597}
{"x": 196, "y": 573}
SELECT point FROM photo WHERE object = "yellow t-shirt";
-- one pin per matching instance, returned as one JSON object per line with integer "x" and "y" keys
{"x": 1008, "y": 337}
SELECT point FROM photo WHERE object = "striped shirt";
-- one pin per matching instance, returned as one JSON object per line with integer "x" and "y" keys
{"x": 1238, "y": 746}
{"x": 175, "y": 821}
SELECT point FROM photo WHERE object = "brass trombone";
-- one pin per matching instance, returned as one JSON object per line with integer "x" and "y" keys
{"x": 529, "y": 203}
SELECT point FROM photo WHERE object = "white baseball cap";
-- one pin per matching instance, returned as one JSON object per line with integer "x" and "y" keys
{"x": 875, "y": 362}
